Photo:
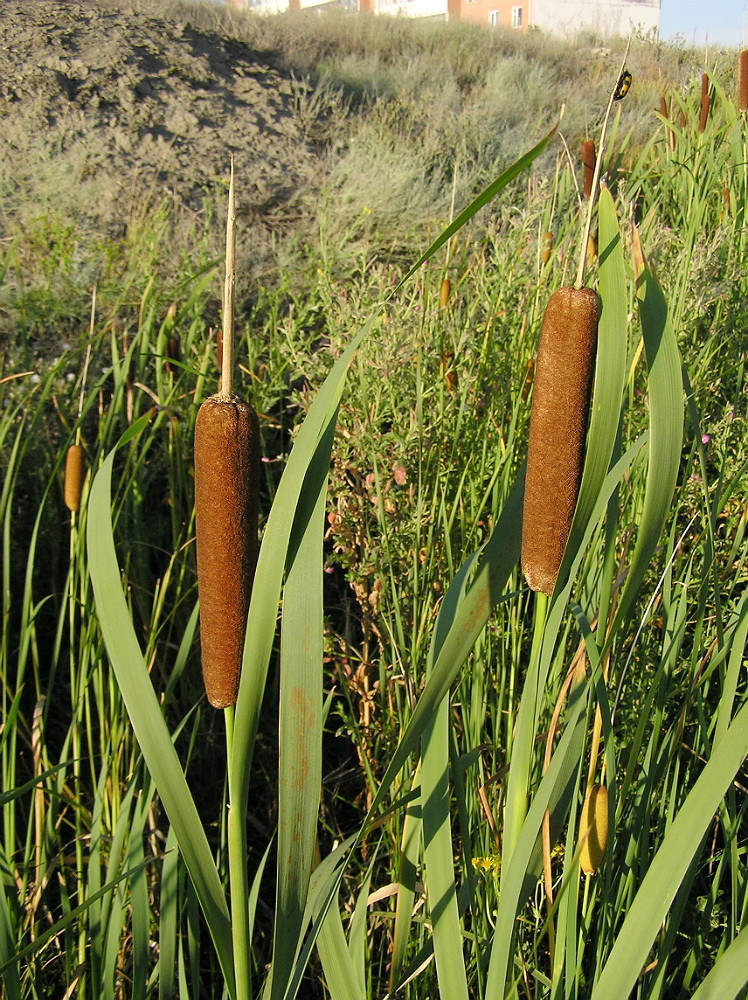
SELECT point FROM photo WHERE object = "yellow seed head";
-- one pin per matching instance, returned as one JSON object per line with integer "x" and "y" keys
{"x": 558, "y": 424}
{"x": 546, "y": 245}
{"x": 74, "y": 474}
{"x": 444, "y": 291}
{"x": 594, "y": 819}
{"x": 227, "y": 473}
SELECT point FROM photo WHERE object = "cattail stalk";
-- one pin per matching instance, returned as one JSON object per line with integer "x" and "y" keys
{"x": 743, "y": 80}
{"x": 588, "y": 163}
{"x": 227, "y": 473}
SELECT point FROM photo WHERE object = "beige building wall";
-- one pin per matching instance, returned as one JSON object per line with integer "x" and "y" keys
{"x": 495, "y": 13}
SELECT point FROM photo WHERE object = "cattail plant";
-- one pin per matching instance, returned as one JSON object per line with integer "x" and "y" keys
{"x": 564, "y": 371}
{"x": 743, "y": 80}
{"x": 588, "y": 163}
{"x": 75, "y": 461}
{"x": 227, "y": 464}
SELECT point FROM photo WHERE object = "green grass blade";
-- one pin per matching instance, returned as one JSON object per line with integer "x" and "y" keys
{"x": 670, "y": 864}
{"x": 145, "y": 713}
{"x": 480, "y": 200}
{"x": 729, "y": 973}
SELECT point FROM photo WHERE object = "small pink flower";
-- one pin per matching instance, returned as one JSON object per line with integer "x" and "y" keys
{"x": 705, "y": 439}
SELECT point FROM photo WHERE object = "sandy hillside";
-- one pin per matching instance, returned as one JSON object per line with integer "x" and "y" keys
{"x": 107, "y": 107}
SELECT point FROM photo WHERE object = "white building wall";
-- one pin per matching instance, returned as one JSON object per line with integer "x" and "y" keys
{"x": 412, "y": 8}
{"x": 607, "y": 17}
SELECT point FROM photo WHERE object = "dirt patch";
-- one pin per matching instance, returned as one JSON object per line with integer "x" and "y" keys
{"x": 107, "y": 109}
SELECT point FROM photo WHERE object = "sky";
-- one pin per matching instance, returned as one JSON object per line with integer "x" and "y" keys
{"x": 692, "y": 19}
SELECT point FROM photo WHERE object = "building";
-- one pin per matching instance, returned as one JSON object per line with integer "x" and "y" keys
{"x": 559, "y": 17}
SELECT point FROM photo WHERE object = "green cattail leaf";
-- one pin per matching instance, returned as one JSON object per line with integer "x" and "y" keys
{"x": 410, "y": 843}
{"x": 729, "y": 973}
{"x": 665, "y": 387}
{"x": 168, "y": 919}
{"x": 300, "y": 725}
{"x": 145, "y": 712}
{"x": 438, "y": 856}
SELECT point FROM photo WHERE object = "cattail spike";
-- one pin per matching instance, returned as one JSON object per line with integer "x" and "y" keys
{"x": 74, "y": 474}
{"x": 704, "y": 105}
{"x": 227, "y": 471}
{"x": 589, "y": 161}
{"x": 743, "y": 80}
{"x": 593, "y": 829}
{"x": 546, "y": 246}
{"x": 558, "y": 423}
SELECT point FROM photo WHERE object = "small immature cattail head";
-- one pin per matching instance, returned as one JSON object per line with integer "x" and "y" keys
{"x": 227, "y": 472}
{"x": 546, "y": 246}
{"x": 591, "y": 251}
{"x": 448, "y": 370}
{"x": 704, "y": 106}
{"x": 594, "y": 819}
{"x": 444, "y": 291}
{"x": 558, "y": 424}
{"x": 743, "y": 80}
{"x": 172, "y": 352}
{"x": 74, "y": 473}
{"x": 589, "y": 160}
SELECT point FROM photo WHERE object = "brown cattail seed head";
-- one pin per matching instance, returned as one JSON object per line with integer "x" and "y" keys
{"x": 444, "y": 291}
{"x": 227, "y": 473}
{"x": 546, "y": 245}
{"x": 588, "y": 162}
{"x": 743, "y": 80}
{"x": 558, "y": 423}
{"x": 594, "y": 819}
{"x": 74, "y": 473}
{"x": 704, "y": 106}
{"x": 447, "y": 366}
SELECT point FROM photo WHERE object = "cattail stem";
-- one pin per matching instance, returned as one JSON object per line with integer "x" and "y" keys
{"x": 600, "y": 153}
{"x": 227, "y": 361}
